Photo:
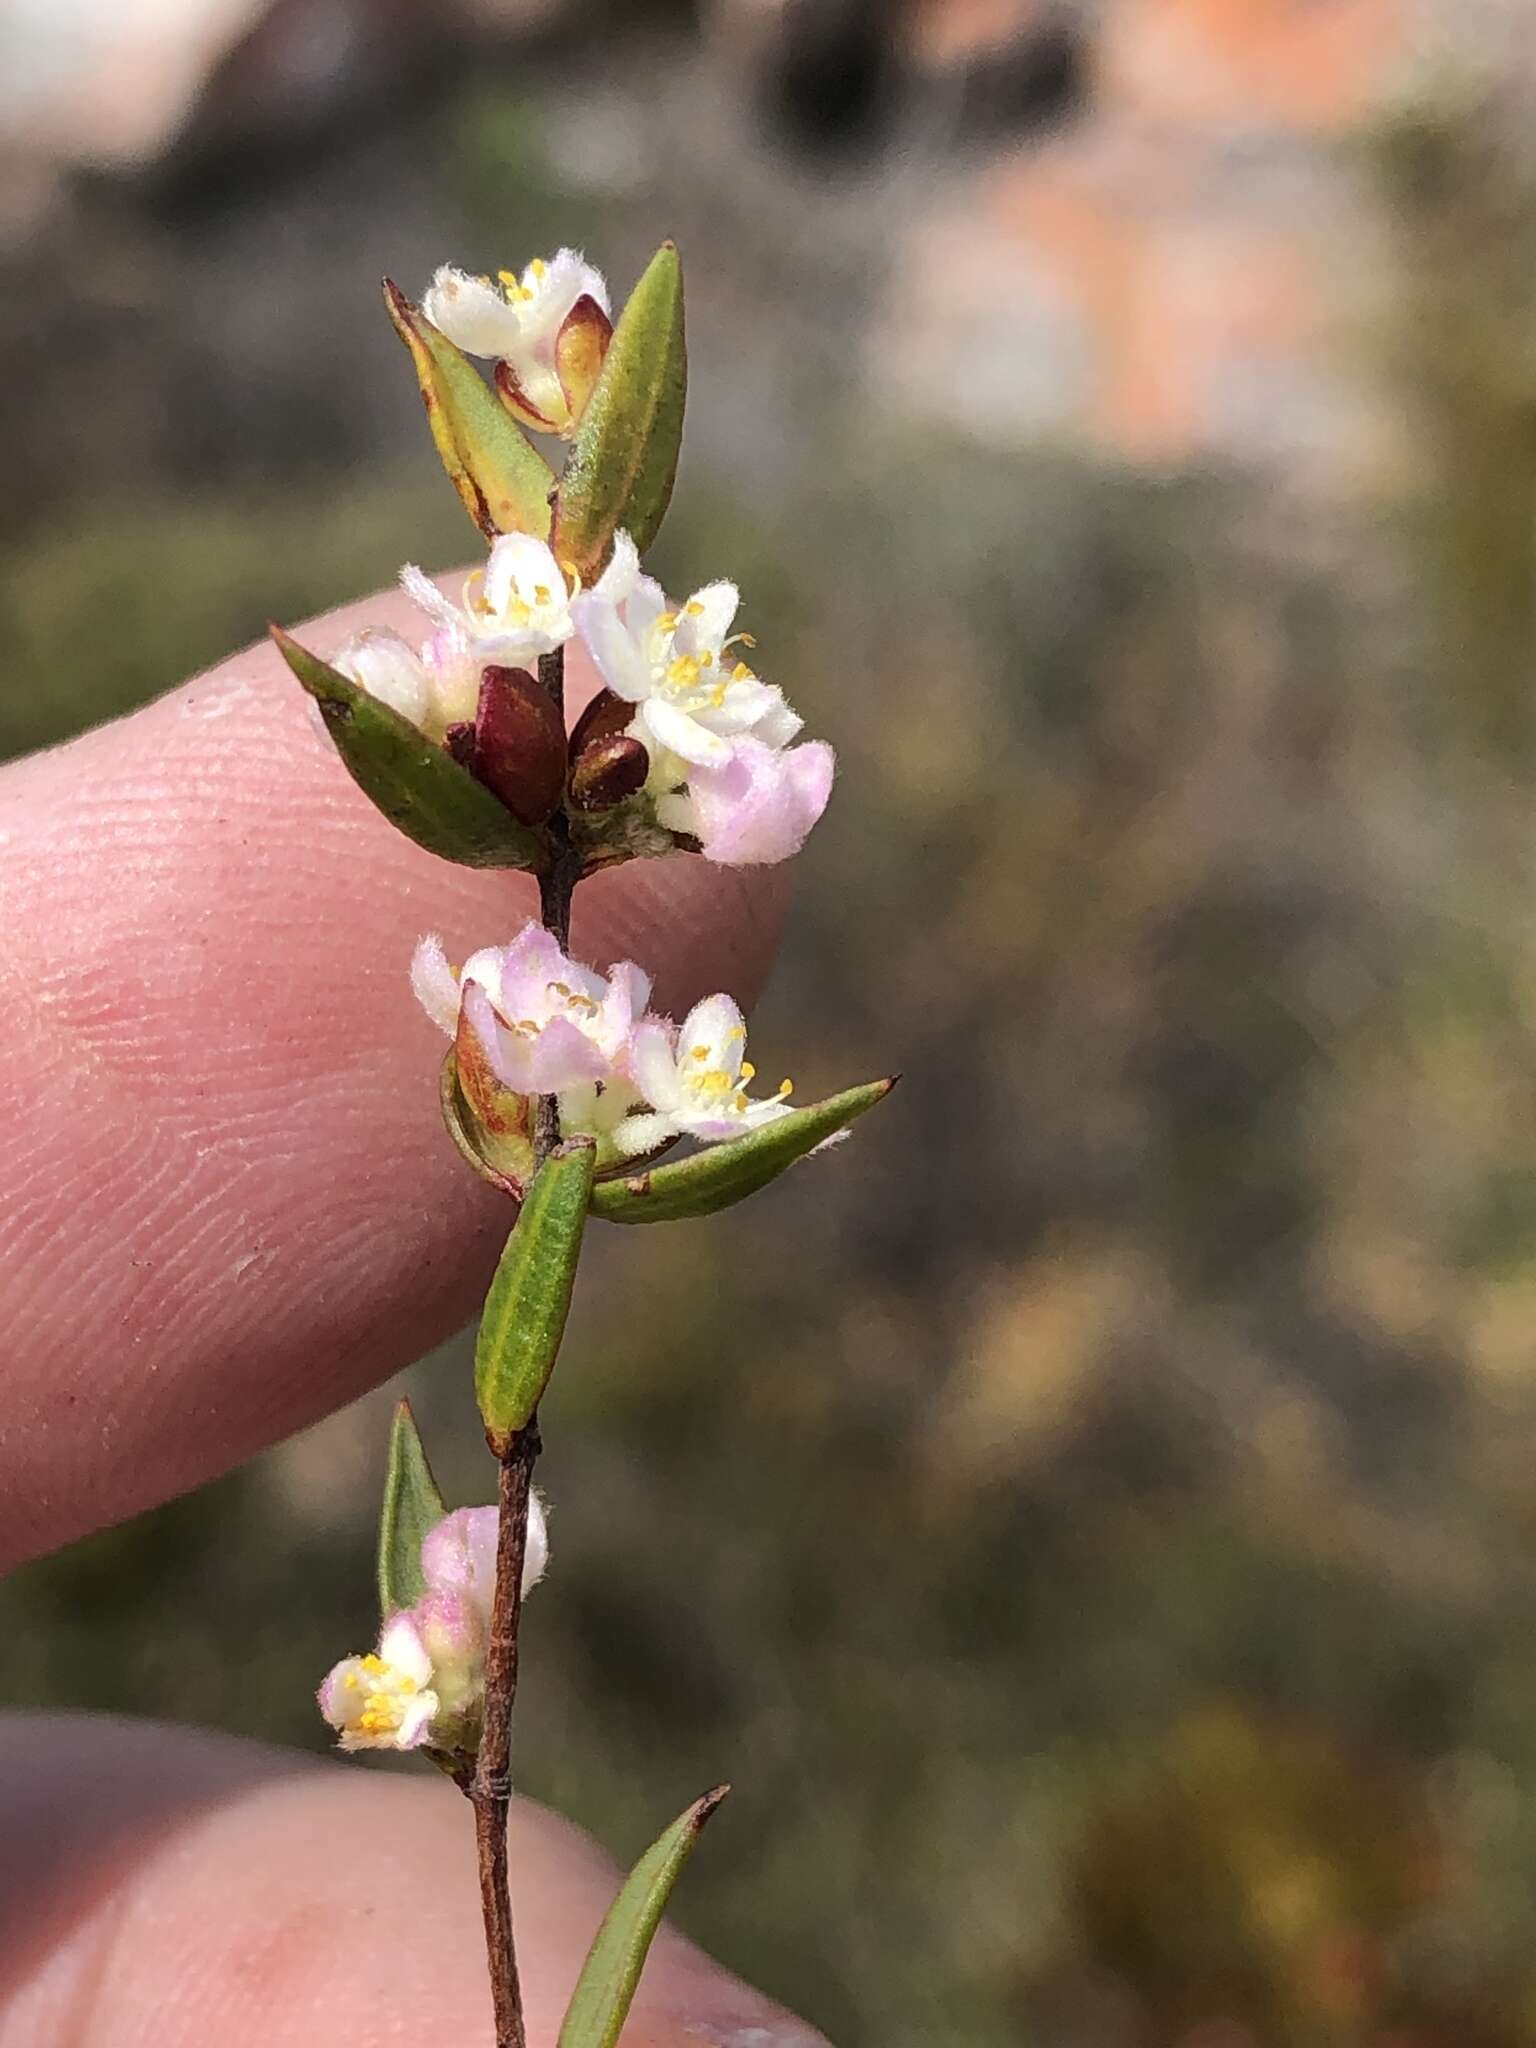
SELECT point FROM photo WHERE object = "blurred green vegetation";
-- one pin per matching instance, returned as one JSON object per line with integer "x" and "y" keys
{"x": 1091, "y": 1522}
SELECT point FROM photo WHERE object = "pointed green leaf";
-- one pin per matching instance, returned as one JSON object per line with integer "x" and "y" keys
{"x": 501, "y": 477}
{"x": 606, "y": 1987}
{"x": 624, "y": 458}
{"x": 530, "y": 1296}
{"x": 421, "y": 789}
{"x": 723, "y": 1174}
{"x": 412, "y": 1506}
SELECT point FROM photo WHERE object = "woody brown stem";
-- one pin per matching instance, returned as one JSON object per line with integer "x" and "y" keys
{"x": 490, "y": 1791}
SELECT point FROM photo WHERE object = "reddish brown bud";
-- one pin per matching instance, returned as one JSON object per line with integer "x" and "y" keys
{"x": 604, "y": 718}
{"x": 608, "y": 771}
{"x": 520, "y": 744}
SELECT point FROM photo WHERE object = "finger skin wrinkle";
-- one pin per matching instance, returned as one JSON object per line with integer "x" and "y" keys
{"x": 227, "y": 1194}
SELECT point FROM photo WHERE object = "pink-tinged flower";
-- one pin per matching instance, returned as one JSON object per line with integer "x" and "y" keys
{"x": 515, "y": 609}
{"x": 677, "y": 666}
{"x": 458, "y": 1556}
{"x": 756, "y": 807}
{"x": 543, "y": 1022}
{"x": 385, "y": 1700}
{"x": 547, "y": 330}
{"x": 695, "y": 1080}
{"x": 425, "y": 1684}
{"x": 434, "y": 686}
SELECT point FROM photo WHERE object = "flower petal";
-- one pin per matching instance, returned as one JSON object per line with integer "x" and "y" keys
{"x": 618, "y": 657}
{"x": 653, "y": 1063}
{"x": 435, "y": 985}
{"x": 713, "y": 1037}
{"x": 401, "y": 1647}
{"x": 685, "y": 736}
{"x": 706, "y": 618}
{"x": 472, "y": 313}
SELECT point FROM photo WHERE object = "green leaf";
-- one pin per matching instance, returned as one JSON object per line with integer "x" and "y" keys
{"x": 530, "y": 1296}
{"x": 606, "y": 1986}
{"x": 501, "y": 477}
{"x": 421, "y": 789}
{"x": 412, "y": 1506}
{"x": 723, "y": 1174}
{"x": 624, "y": 458}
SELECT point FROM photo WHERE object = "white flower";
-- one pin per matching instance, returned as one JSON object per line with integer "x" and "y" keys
{"x": 435, "y": 686}
{"x": 514, "y": 610}
{"x": 695, "y": 1080}
{"x": 385, "y": 1700}
{"x": 549, "y": 329}
{"x": 692, "y": 696}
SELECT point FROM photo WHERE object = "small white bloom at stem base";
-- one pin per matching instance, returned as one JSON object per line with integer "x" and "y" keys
{"x": 547, "y": 330}
{"x": 425, "y": 1684}
{"x": 384, "y": 1700}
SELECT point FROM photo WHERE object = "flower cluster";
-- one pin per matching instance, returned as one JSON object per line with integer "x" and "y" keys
{"x": 685, "y": 745}
{"x": 526, "y": 1021}
{"x": 425, "y": 1684}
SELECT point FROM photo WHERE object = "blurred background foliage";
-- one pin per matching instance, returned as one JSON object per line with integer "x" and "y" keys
{"x": 1092, "y": 1524}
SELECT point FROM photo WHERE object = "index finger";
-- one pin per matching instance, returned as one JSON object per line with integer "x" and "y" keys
{"x": 229, "y": 1205}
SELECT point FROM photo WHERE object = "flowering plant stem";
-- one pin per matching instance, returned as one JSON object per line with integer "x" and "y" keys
{"x": 490, "y": 1788}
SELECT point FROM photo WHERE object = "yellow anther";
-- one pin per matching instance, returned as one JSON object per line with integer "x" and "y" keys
{"x": 352, "y": 1682}
{"x": 786, "y": 1087}
{"x": 707, "y": 658}
{"x": 741, "y": 1102}
{"x": 736, "y": 1035}
{"x": 538, "y": 266}
{"x": 717, "y": 695}
{"x": 667, "y": 623}
{"x": 374, "y": 1666}
{"x": 694, "y": 609}
{"x": 684, "y": 672}
{"x": 744, "y": 639}
{"x": 700, "y": 1052}
{"x": 748, "y": 1071}
{"x": 510, "y": 279}
{"x": 741, "y": 673}
{"x": 519, "y": 612}
{"x": 541, "y": 593}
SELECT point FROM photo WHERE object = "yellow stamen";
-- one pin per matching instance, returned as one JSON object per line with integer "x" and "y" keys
{"x": 667, "y": 623}
{"x": 541, "y": 593}
{"x": 748, "y": 1071}
{"x": 786, "y": 1087}
{"x": 700, "y": 1052}
{"x": 538, "y": 266}
{"x": 694, "y": 609}
{"x": 741, "y": 673}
